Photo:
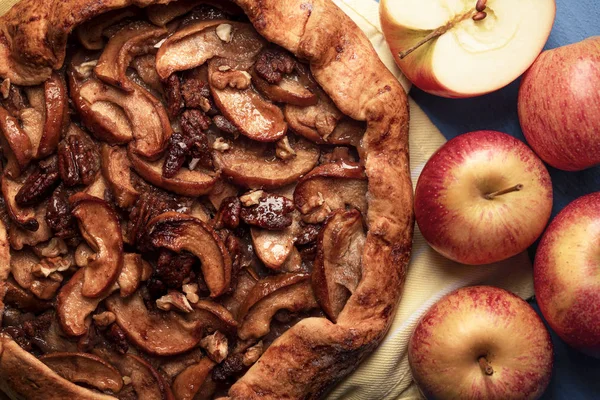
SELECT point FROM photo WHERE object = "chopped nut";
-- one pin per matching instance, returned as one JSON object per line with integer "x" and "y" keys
{"x": 221, "y": 145}
{"x": 273, "y": 212}
{"x": 284, "y": 150}
{"x": 5, "y": 88}
{"x": 53, "y": 248}
{"x": 216, "y": 346}
{"x": 104, "y": 318}
{"x": 191, "y": 292}
{"x": 48, "y": 266}
{"x": 252, "y": 354}
{"x": 126, "y": 380}
{"x": 174, "y": 299}
{"x": 224, "y": 68}
{"x": 83, "y": 255}
{"x": 160, "y": 43}
{"x": 225, "y": 32}
{"x": 86, "y": 68}
{"x": 193, "y": 163}
{"x": 232, "y": 78}
{"x": 252, "y": 198}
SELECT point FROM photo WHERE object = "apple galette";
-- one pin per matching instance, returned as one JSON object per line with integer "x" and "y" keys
{"x": 202, "y": 199}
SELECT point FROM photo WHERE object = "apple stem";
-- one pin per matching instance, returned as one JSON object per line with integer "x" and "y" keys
{"x": 516, "y": 188}
{"x": 440, "y": 31}
{"x": 485, "y": 366}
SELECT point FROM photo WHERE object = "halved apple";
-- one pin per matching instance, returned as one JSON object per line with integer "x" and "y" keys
{"x": 465, "y": 56}
{"x": 198, "y": 42}
{"x": 179, "y": 232}
{"x": 86, "y": 369}
{"x": 132, "y": 40}
{"x": 186, "y": 182}
{"x": 338, "y": 266}
{"x": 101, "y": 230}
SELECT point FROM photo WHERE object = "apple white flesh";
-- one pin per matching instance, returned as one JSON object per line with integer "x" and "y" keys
{"x": 483, "y": 197}
{"x": 567, "y": 274}
{"x": 559, "y": 105}
{"x": 481, "y": 343}
{"x": 472, "y": 57}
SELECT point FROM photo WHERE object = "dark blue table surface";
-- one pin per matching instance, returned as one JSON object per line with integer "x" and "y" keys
{"x": 576, "y": 376}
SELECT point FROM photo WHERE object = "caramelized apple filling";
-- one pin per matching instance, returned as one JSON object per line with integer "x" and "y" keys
{"x": 197, "y": 196}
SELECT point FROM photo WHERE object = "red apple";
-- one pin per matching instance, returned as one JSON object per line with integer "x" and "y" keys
{"x": 465, "y": 55}
{"x": 481, "y": 343}
{"x": 567, "y": 274}
{"x": 483, "y": 197}
{"x": 559, "y": 105}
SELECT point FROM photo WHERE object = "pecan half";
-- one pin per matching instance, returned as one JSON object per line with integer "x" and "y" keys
{"x": 308, "y": 233}
{"x": 78, "y": 163}
{"x": 172, "y": 89}
{"x": 228, "y": 215}
{"x": 272, "y": 63}
{"x": 272, "y": 212}
{"x": 39, "y": 184}
{"x": 196, "y": 94}
{"x": 58, "y": 215}
{"x": 225, "y": 125}
{"x": 173, "y": 268}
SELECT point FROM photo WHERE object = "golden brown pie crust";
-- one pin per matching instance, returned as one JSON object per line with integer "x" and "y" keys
{"x": 311, "y": 356}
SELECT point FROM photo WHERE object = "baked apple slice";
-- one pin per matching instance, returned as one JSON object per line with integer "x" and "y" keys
{"x": 250, "y": 113}
{"x": 91, "y": 33}
{"x": 253, "y": 165}
{"x": 19, "y": 237}
{"x": 330, "y": 187}
{"x": 146, "y": 382}
{"x": 186, "y": 182}
{"x": 179, "y": 232}
{"x": 200, "y": 41}
{"x": 291, "y": 291}
{"x": 134, "y": 39}
{"x": 73, "y": 308}
{"x": 338, "y": 265}
{"x": 158, "y": 332}
{"x": 316, "y": 122}
{"x": 135, "y": 271}
{"x": 189, "y": 382}
{"x": 84, "y": 368}
{"x": 24, "y": 216}
{"x": 52, "y": 102}
{"x": 297, "y": 88}
{"x": 116, "y": 168}
{"x": 41, "y": 382}
{"x": 16, "y": 145}
{"x": 101, "y": 230}
{"x": 23, "y": 299}
{"x": 26, "y": 269}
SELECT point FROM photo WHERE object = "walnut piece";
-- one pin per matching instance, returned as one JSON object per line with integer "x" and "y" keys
{"x": 216, "y": 346}
{"x": 174, "y": 299}
{"x": 221, "y": 145}
{"x": 48, "y": 266}
{"x": 252, "y": 354}
{"x": 251, "y": 198}
{"x": 230, "y": 78}
{"x": 225, "y": 32}
{"x": 104, "y": 318}
{"x": 191, "y": 292}
{"x": 284, "y": 150}
{"x": 5, "y": 88}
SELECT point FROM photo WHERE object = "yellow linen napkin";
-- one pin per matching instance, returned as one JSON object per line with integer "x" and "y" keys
{"x": 386, "y": 374}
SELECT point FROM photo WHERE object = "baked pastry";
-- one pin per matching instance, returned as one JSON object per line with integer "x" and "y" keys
{"x": 202, "y": 199}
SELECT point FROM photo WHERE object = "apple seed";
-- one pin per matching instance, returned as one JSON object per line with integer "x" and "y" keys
{"x": 481, "y": 5}
{"x": 479, "y": 16}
